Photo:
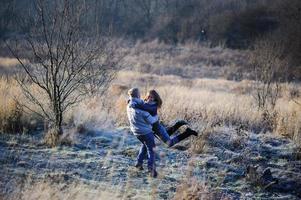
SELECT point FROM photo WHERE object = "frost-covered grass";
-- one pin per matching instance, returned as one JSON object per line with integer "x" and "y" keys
{"x": 101, "y": 166}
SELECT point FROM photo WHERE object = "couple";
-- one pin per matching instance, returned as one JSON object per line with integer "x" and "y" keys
{"x": 145, "y": 125}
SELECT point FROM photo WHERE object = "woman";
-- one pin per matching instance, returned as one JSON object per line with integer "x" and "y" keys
{"x": 151, "y": 104}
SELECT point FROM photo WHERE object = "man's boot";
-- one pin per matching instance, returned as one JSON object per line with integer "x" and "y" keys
{"x": 139, "y": 166}
{"x": 153, "y": 173}
{"x": 188, "y": 132}
{"x": 171, "y": 130}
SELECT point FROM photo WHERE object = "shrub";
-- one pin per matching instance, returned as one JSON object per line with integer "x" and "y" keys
{"x": 269, "y": 67}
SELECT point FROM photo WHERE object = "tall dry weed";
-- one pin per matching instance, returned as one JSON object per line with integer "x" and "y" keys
{"x": 11, "y": 112}
{"x": 14, "y": 118}
{"x": 191, "y": 189}
{"x": 51, "y": 190}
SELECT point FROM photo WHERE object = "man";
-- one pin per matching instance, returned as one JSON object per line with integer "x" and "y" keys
{"x": 141, "y": 126}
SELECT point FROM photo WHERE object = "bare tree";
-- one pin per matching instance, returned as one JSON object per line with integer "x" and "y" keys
{"x": 64, "y": 63}
{"x": 268, "y": 65}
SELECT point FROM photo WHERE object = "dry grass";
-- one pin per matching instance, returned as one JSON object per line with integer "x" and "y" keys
{"x": 203, "y": 102}
{"x": 10, "y": 112}
{"x": 9, "y": 65}
{"x": 57, "y": 191}
{"x": 13, "y": 117}
{"x": 188, "y": 60}
{"x": 193, "y": 190}
{"x": 211, "y": 102}
{"x": 8, "y": 62}
{"x": 52, "y": 137}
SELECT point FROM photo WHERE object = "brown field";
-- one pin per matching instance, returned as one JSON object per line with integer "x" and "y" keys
{"x": 179, "y": 74}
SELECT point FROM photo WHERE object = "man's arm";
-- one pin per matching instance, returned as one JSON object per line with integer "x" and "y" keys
{"x": 134, "y": 101}
{"x": 148, "y": 118}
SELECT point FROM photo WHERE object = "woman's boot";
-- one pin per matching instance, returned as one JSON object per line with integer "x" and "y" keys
{"x": 188, "y": 132}
{"x": 171, "y": 130}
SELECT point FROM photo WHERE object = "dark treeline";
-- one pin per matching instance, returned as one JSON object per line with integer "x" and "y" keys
{"x": 231, "y": 23}
{"x": 234, "y": 23}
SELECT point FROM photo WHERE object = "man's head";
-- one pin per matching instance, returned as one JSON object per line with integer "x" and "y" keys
{"x": 134, "y": 93}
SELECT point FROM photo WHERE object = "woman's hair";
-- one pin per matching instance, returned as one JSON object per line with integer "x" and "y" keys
{"x": 156, "y": 96}
{"x": 133, "y": 92}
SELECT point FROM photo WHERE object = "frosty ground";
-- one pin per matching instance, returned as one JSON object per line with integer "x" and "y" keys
{"x": 100, "y": 164}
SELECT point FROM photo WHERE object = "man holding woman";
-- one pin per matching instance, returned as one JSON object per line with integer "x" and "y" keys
{"x": 145, "y": 125}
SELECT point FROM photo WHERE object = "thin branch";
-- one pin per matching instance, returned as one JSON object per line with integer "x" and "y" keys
{"x": 30, "y": 96}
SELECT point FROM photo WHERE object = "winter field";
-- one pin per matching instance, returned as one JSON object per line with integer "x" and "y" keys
{"x": 242, "y": 151}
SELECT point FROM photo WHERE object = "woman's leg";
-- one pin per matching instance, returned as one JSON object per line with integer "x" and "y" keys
{"x": 164, "y": 136}
{"x": 188, "y": 132}
{"x": 161, "y": 133}
{"x": 171, "y": 130}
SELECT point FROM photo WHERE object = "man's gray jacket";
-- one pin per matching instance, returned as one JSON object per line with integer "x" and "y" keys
{"x": 140, "y": 121}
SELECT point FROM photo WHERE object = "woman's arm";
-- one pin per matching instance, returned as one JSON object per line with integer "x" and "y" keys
{"x": 151, "y": 108}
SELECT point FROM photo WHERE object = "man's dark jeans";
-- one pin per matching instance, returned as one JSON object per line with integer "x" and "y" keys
{"x": 147, "y": 148}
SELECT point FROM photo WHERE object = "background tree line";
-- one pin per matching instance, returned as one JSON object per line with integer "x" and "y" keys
{"x": 236, "y": 23}
{"x": 230, "y": 23}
